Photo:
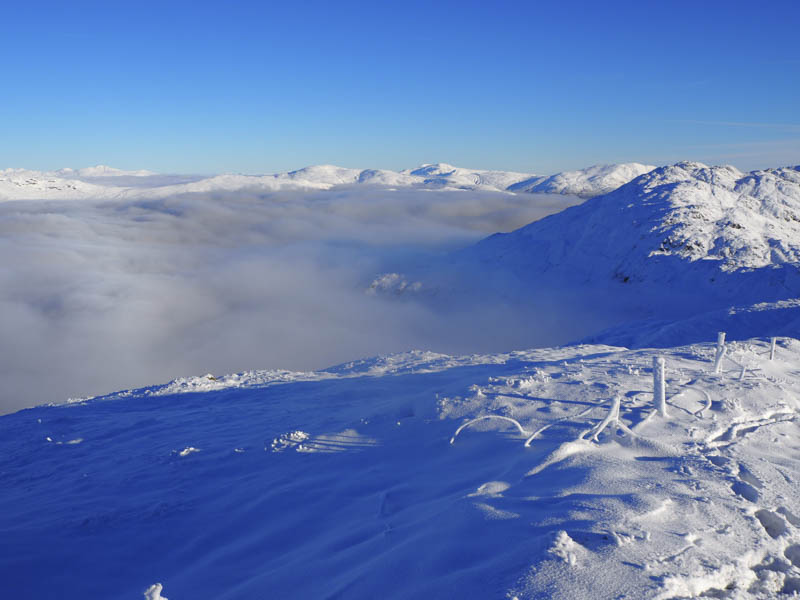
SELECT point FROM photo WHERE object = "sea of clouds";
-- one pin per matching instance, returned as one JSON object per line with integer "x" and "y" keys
{"x": 101, "y": 296}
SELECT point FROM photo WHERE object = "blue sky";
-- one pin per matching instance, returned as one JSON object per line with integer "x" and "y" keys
{"x": 261, "y": 87}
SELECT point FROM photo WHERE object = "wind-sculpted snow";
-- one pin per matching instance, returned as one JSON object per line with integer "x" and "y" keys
{"x": 543, "y": 473}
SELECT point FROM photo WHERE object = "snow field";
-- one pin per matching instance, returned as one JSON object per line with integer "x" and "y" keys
{"x": 543, "y": 502}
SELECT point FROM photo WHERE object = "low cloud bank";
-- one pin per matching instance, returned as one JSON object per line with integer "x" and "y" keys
{"x": 96, "y": 296}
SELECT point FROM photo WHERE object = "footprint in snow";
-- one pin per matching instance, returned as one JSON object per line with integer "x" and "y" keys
{"x": 773, "y": 524}
{"x": 747, "y": 485}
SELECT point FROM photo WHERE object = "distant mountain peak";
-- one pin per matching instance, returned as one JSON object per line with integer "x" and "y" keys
{"x": 428, "y": 169}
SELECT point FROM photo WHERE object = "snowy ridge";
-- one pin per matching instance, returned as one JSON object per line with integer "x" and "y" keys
{"x": 102, "y": 182}
{"x": 586, "y": 183}
{"x": 532, "y": 474}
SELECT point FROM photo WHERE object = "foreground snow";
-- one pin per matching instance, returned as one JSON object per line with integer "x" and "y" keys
{"x": 385, "y": 478}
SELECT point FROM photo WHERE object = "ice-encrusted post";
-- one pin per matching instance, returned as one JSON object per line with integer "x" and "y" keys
{"x": 611, "y": 417}
{"x": 720, "y": 354}
{"x": 659, "y": 385}
{"x": 772, "y": 342}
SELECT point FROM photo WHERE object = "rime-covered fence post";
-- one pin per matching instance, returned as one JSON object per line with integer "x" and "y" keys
{"x": 720, "y": 351}
{"x": 659, "y": 385}
{"x": 772, "y": 342}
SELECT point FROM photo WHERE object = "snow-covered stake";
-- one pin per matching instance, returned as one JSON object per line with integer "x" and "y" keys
{"x": 741, "y": 366}
{"x": 154, "y": 592}
{"x": 660, "y": 385}
{"x": 706, "y": 406}
{"x": 611, "y": 417}
{"x": 772, "y": 342}
{"x": 721, "y": 350}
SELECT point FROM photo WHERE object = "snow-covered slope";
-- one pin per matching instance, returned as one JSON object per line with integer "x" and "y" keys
{"x": 417, "y": 476}
{"x": 586, "y": 183}
{"x": 103, "y": 182}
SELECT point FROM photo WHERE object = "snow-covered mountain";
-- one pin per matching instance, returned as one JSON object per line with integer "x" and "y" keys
{"x": 680, "y": 223}
{"x": 103, "y": 182}
{"x": 671, "y": 257}
{"x": 535, "y": 474}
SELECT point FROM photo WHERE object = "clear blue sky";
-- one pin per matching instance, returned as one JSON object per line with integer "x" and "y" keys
{"x": 261, "y": 87}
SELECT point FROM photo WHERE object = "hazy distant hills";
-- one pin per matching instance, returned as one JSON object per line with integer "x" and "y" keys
{"x": 102, "y": 171}
{"x": 102, "y": 182}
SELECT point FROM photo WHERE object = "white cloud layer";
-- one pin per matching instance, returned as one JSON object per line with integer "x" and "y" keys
{"x": 99, "y": 296}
